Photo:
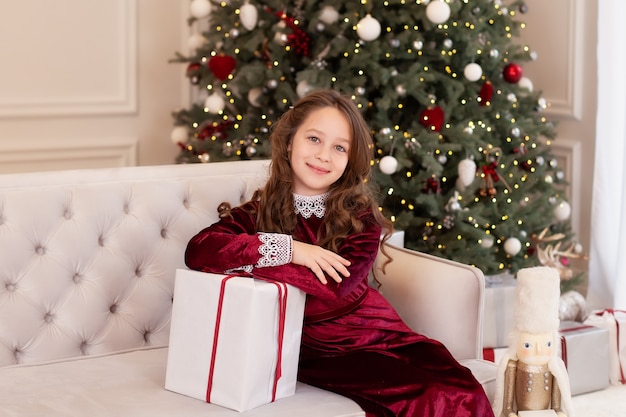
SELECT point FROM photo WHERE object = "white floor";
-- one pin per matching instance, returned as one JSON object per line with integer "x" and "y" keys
{"x": 610, "y": 402}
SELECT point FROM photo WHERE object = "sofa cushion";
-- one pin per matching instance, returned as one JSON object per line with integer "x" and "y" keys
{"x": 87, "y": 258}
{"x": 131, "y": 384}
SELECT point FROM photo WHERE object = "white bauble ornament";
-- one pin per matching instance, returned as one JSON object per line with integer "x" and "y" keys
{"x": 329, "y": 15}
{"x": 179, "y": 135}
{"x": 249, "y": 16}
{"x": 368, "y": 28}
{"x": 525, "y": 82}
{"x": 487, "y": 242}
{"x": 578, "y": 248}
{"x": 473, "y": 72}
{"x": 512, "y": 246}
{"x": 303, "y": 88}
{"x": 438, "y": 12}
{"x": 467, "y": 171}
{"x": 200, "y": 8}
{"x": 562, "y": 211}
{"x": 542, "y": 103}
{"x": 458, "y": 184}
{"x": 388, "y": 164}
{"x": 214, "y": 103}
{"x": 196, "y": 41}
{"x": 253, "y": 96}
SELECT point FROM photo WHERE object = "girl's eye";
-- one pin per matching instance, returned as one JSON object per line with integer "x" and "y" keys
{"x": 340, "y": 148}
{"x": 314, "y": 139}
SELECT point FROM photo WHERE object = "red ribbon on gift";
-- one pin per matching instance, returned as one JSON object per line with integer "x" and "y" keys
{"x": 612, "y": 313}
{"x": 282, "y": 311}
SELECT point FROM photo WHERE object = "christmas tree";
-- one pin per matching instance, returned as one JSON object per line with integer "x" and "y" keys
{"x": 463, "y": 159}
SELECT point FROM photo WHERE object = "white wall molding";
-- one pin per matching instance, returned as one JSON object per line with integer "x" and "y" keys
{"x": 568, "y": 153}
{"x": 70, "y": 84}
{"x": 568, "y": 102}
{"x": 44, "y": 154}
{"x": 570, "y": 106}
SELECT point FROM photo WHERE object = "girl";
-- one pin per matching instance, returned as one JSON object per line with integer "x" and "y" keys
{"x": 316, "y": 225}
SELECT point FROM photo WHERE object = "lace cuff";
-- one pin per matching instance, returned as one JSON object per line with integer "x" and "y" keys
{"x": 276, "y": 249}
{"x": 245, "y": 268}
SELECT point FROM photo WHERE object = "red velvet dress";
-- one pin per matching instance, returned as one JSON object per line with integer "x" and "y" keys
{"x": 353, "y": 341}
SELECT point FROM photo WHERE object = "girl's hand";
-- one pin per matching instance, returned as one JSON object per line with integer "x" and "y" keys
{"x": 320, "y": 260}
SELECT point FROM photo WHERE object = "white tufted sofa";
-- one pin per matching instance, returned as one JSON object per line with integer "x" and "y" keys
{"x": 87, "y": 262}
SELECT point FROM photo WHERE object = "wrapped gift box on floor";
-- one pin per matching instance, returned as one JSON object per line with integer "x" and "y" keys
{"x": 234, "y": 341}
{"x": 499, "y": 310}
{"x": 615, "y": 322}
{"x": 494, "y": 354}
{"x": 585, "y": 351}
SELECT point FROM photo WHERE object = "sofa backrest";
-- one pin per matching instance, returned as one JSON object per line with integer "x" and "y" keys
{"x": 88, "y": 257}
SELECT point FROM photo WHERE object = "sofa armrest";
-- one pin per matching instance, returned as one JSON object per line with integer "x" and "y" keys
{"x": 439, "y": 298}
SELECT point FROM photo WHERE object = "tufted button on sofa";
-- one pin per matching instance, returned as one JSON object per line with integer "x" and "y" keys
{"x": 87, "y": 265}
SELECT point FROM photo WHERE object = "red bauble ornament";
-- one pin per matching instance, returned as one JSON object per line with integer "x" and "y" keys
{"x": 432, "y": 118}
{"x": 222, "y": 66}
{"x": 512, "y": 73}
{"x": 485, "y": 94}
{"x": 193, "y": 72}
{"x": 432, "y": 186}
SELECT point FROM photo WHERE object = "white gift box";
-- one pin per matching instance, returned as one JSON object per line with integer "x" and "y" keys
{"x": 585, "y": 352}
{"x": 499, "y": 310}
{"x": 234, "y": 341}
{"x": 615, "y": 322}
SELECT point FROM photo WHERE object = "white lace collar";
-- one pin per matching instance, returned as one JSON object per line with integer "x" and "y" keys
{"x": 306, "y": 206}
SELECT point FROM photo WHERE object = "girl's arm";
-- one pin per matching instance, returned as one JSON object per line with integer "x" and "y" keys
{"x": 360, "y": 249}
{"x": 232, "y": 244}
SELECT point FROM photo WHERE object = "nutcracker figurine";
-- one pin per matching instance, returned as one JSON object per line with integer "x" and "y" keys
{"x": 532, "y": 379}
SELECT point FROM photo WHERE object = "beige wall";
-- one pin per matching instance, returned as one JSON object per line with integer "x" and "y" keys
{"x": 563, "y": 33}
{"x": 86, "y": 83}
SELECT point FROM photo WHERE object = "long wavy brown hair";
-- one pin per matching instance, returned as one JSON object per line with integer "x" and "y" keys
{"x": 349, "y": 197}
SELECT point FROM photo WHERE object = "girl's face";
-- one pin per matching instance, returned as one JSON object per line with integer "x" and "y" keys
{"x": 319, "y": 151}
